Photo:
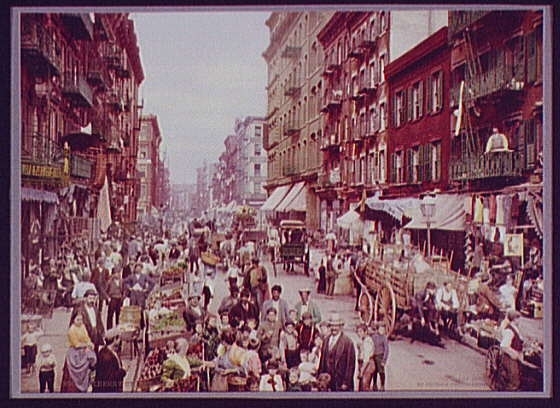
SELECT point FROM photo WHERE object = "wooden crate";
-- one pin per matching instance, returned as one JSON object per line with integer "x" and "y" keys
{"x": 131, "y": 315}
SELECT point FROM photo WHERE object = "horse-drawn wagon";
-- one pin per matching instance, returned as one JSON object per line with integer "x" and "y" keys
{"x": 390, "y": 281}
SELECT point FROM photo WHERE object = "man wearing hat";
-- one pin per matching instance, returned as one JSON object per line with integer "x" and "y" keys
{"x": 256, "y": 281}
{"x": 244, "y": 310}
{"x": 92, "y": 318}
{"x": 424, "y": 307}
{"x": 338, "y": 356}
{"x": 307, "y": 305}
{"x": 109, "y": 373}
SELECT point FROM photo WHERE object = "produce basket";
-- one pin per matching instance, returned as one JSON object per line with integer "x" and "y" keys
{"x": 174, "y": 274}
{"x": 209, "y": 258}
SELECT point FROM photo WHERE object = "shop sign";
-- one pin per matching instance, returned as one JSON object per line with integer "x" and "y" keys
{"x": 41, "y": 171}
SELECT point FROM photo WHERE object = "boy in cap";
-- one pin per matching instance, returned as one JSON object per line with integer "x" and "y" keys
{"x": 46, "y": 364}
{"x": 377, "y": 361}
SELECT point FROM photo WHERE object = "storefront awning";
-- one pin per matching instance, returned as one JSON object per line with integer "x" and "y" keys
{"x": 277, "y": 195}
{"x": 31, "y": 194}
{"x": 396, "y": 208}
{"x": 449, "y": 214}
{"x": 295, "y": 200}
{"x": 351, "y": 219}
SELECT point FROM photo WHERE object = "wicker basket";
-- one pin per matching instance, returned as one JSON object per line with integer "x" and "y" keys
{"x": 209, "y": 258}
{"x": 130, "y": 314}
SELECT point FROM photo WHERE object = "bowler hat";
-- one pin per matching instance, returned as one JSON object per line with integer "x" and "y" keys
{"x": 335, "y": 320}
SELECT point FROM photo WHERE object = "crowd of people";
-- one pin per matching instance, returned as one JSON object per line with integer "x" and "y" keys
{"x": 253, "y": 338}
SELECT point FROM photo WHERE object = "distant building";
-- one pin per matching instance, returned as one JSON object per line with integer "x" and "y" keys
{"x": 149, "y": 164}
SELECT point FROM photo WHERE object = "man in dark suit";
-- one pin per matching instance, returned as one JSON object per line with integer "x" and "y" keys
{"x": 244, "y": 310}
{"x": 139, "y": 285}
{"x": 338, "y": 356}
{"x": 92, "y": 318}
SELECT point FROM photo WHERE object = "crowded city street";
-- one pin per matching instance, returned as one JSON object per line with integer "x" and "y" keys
{"x": 304, "y": 201}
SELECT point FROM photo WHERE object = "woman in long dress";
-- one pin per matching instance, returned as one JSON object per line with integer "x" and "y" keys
{"x": 80, "y": 360}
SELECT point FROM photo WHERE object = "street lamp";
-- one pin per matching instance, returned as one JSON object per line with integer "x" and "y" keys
{"x": 428, "y": 206}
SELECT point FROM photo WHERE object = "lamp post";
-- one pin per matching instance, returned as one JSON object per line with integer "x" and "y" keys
{"x": 427, "y": 206}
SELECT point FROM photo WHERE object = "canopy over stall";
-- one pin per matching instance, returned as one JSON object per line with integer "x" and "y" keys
{"x": 449, "y": 214}
{"x": 396, "y": 208}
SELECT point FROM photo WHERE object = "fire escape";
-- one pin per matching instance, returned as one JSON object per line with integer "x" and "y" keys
{"x": 481, "y": 83}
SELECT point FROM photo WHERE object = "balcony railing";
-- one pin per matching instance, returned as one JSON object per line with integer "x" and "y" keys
{"x": 291, "y": 52}
{"x": 493, "y": 164}
{"x": 330, "y": 141}
{"x": 367, "y": 41}
{"x": 38, "y": 46}
{"x": 79, "y": 25}
{"x": 113, "y": 55}
{"x": 331, "y": 64}
{"x": 292, "y": 127}
{"x": 98, "y": 74}
{"x": 292, "y": 89}
{"x": 77, "y": 90}
{"x": 367, "y": 84}
{"x": 40, "y": 149}
{"x": 81, "y": 167}
{"x": 332, "y": 100}
{"x": 116, "y": 102}
{"x": 356, "y": 52}
{"x": 289, "y": 170}
{"x": 459, "y": 20}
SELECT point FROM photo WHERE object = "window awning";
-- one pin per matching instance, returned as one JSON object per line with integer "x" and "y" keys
{"x": 31, "y": 194}
{"x": 277, "y": 195}
{"x": 293, "y": 201}
{"x": 394, "y": 207}
{"x": 449, "y": 214}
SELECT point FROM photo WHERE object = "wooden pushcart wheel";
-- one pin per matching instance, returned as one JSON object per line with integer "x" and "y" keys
{"x": 492, "y": 368}
{"x": 365, "y": 306}
{"x": 385, "y": 309}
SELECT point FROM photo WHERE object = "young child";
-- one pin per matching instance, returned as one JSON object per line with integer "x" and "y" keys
{"x": 307, "y": 371}
{"x": 293, "y": 384}
{"x": 29, "y": 340}
{"x": 271, "y": 381}
{"x": 45, "y": 365}
{"x": 289, "y": 345}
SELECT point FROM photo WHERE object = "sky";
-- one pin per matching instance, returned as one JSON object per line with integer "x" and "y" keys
{"x": 202, "y": 71}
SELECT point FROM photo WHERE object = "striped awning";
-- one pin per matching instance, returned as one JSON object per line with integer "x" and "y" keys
{"x": 277, "y": 195}
{"x": 32, "y": 194}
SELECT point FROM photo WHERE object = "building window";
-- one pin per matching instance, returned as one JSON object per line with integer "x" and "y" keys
{"x": 257, "y": 170}
{"x": 258, "y": 131}
{"x": 397, "y": 175}
{"x": 398, "y": 108}
{"x": 258, "y": 149}
{"x": 382, "y": 68}
{"x": 412, "y": 164}
{"x": 382, "y": 167}
{"x": 436, "y": 161}
{"x": 417, "y": 97}
{"x": 382, "y": 117}
{"x": 435, "y": 92}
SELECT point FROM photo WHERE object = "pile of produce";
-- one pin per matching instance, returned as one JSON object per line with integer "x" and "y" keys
{"x": 173, "y": 272}
{"x": 183, "y": 385}
{"x": 167, "y": 323}
{"x": 153, "y": 367}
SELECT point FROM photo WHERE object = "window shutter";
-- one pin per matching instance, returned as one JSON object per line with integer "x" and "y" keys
{"x": 392, "y": 167}
{"x": 420, "y": 163}
{"x": 519, "y": 56}
{"x": 439, "y": 91}
{"x": 530, "y": 143}
{"x": 410, "y": 104}
{"x": 409, "y": 166}
{"x": 421, "y": 98}
{"x": 531, "y": 57}
{"x": 428, "y": 160}
{"x": 429, "y": 94}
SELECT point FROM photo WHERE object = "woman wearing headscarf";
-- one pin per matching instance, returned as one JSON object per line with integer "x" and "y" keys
{"x": 80, "y": 358}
